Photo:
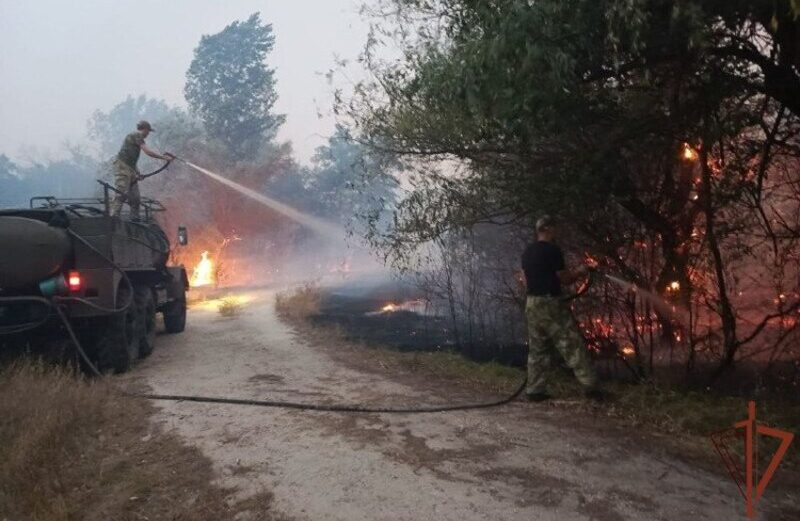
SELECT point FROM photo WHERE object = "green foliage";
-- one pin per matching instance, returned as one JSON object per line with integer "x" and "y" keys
{"x": 564, "y": 106}
{"x": 107, "y": 129}
{"x": 552, "y": 102}
{"x": 231, "y": 89}
{"x": 501, "y": 111}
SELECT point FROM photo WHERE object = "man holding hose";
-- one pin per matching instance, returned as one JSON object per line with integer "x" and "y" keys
{"x": 550, "y": 322}
{"x": 126, "y": 175}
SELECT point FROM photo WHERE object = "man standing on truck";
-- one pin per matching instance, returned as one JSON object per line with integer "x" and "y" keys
{"x": 550, "y": 322}
{"x": 126, "y": 175}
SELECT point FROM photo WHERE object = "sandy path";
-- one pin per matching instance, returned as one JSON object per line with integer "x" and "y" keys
{"x": 517, "y": 462}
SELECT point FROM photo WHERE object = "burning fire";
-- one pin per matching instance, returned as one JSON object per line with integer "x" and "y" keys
{"x": 203, "y": 274}
{"x": 689, "y": 153}
{"x": 417, "y": 306}
{"x": 628, "y": 350}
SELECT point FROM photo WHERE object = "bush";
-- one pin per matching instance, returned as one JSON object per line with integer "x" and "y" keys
{"x": 301, "y": 303}
{"x": 229, "y": 306}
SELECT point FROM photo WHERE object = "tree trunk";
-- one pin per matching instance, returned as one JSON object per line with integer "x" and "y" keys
{"x": 730, "y": 343}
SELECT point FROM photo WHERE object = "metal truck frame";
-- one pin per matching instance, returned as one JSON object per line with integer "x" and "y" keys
{"x": 110, "y": 285}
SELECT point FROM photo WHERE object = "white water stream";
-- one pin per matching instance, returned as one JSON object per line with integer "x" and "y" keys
{"x": 324, "y": 228}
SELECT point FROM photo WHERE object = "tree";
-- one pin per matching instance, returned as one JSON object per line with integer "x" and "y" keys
{"x": 70, "y": 177}
{"x": 108, "y": 129}
{"x": 350, "y": 184}
{"x": 231, "y": 89}
{"x": 504, "y": 110}
{"x": 7, "y": 168}
{"x": 9, "y": 181}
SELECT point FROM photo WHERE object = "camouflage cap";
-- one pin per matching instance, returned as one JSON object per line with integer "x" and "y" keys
{"x": 144, "y": 125}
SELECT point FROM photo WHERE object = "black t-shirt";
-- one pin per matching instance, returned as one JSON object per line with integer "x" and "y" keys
{"x": 540, "y": 262}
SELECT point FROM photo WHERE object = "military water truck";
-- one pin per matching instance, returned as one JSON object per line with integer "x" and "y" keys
{"x": 69, "y": 264}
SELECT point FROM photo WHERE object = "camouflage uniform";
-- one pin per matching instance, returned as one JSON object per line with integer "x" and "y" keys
{"x": 125, "y": 175}
{"x": 551, "y": 325}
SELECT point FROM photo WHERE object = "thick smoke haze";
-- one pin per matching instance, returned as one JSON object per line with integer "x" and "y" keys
{"x": 61, "y": 61}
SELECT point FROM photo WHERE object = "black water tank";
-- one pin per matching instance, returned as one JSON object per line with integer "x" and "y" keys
{"x": 30, "y": 251}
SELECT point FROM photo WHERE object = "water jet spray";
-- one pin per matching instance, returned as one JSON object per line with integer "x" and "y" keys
{"x": 318, "y": 225}
{"x": 658, "y": 303}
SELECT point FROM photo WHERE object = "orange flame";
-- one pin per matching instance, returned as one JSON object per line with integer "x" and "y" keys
{"x": 203, "y": 273}
{"x": 414, "y": 306}
{"x": 689, "y": 153}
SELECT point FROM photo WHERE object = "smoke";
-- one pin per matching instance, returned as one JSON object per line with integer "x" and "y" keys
{"x": 325, "y": 258}
{"x": 323, "y": 228}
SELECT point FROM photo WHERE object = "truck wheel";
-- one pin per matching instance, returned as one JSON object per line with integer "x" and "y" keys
{"x": 175, "y": 315}
{"x": 146, "y": 308}
{"x": 118, "y": 340}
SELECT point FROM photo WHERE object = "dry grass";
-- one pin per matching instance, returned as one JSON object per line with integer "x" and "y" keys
{"x": 300, "y": 303}
{"x": 75, "y": 449}
{"x": 229, "y": 306}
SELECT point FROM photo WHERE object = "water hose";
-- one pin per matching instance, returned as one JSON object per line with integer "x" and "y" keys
{"x": 160, "y": 169}
{"x": 281, "y": 404}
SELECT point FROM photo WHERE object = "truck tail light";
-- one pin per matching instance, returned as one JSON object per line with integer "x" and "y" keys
{"x": 74, "y": 281}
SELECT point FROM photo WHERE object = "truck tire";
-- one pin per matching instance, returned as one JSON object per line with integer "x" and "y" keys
{"x": 118, "y": 338}
{"x": 146, "y": 308}
{"x": 175, "y": 315}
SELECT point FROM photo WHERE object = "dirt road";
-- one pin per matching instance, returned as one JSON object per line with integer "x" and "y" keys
{"x": 522, "y": 461}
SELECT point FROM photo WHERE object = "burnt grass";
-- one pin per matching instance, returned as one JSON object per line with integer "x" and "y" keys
{"x": 355, "y": 311}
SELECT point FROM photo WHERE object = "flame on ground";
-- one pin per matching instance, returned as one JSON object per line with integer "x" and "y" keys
{"x": 203, "y": 274}
{"x": 415, "y": 306}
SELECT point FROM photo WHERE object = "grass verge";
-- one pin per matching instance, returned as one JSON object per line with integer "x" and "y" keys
{"x": 74, "y": 449}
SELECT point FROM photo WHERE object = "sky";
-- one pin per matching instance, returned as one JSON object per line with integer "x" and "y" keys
{"x": 61, "y": 60}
